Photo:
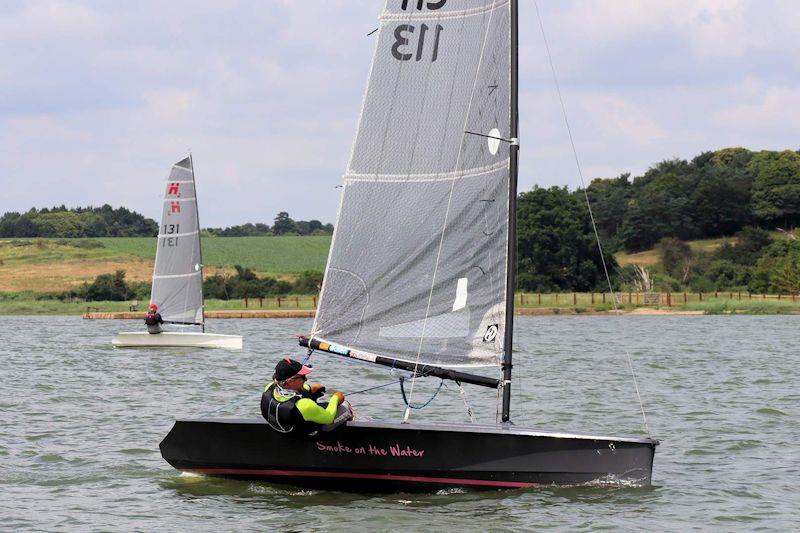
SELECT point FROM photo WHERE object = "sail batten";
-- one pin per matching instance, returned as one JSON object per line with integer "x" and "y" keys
{"x": 418, "y": 258}
{"x": 177, "y": 276}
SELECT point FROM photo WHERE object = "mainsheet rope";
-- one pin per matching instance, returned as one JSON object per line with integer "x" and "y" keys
{"x": 589, "y": 206}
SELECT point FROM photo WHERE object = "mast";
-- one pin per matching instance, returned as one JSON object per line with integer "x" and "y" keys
{"x": 511, "y": 270}
{"x": 200, "y": 249}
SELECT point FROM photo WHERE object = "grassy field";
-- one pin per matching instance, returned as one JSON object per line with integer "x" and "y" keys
{"x": 273, "y": 255}
{"x": 30, "y": 306}
{"x": 652, "y": 257}
{"x": 55, "y": 265}
{"x": 34, "y": 266}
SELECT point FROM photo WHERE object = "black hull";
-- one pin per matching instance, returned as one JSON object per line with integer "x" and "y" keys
{"x": 394, "y": 457}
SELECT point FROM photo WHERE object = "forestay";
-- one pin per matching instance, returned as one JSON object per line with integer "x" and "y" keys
{"x": 417, "y": 267}
{"x": 178, "y": 275}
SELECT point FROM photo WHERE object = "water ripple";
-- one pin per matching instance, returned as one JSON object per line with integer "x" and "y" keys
{"x": 81, "y": 423}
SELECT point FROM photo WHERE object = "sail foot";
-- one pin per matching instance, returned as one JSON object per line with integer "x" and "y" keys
{"x": 422, "y": 370}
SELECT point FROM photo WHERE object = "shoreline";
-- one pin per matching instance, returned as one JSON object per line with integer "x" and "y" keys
{"x": 309, "y": 313}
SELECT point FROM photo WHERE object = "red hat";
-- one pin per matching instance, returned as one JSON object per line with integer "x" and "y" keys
{"x": 287, "y": 368}
{"x": 153, "y": 307}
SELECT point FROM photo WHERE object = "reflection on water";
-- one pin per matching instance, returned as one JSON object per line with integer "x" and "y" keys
{"x": 81, "y": 423}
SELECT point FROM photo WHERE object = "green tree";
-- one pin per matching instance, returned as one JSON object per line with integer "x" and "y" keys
{"x": 283, "y": 224}
{"x": 661, "y": 206}
{"x": 109, "y": 287}
{"x": 308, "y": 282}
{"x": 776, "y": 189}
{"x": 721, "y": 198}
{"x": 778, "y": 269}
{"x": 556, "y": 244}
{"x": 677, "y": 257}
{"x": 609, "y": 199}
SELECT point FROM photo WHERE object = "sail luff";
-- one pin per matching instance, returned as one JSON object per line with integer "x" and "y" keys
{"x": 511, "y": 255}
{"x": 199, "y": 248}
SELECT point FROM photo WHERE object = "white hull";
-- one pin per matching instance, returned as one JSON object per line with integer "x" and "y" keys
{"x": 178, "y": 338}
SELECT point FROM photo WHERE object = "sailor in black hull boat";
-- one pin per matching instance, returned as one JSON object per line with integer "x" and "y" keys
{"x": 290, "y": 405}
{"x": 421, "y": 276}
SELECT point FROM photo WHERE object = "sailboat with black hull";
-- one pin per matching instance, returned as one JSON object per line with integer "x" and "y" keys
{"x": 177, "y": 289}
{"x": 420, "y": 278}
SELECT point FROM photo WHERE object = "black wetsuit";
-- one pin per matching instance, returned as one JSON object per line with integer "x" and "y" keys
{"x": 153, "y": 322}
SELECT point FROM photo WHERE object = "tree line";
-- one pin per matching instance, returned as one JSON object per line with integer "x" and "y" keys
{"x": 105, "y": 221}
{"x": 63, "y": 222}
{"x": 282, "y": 225}
{"x": 243, "y": 283}
{"x": 731, "y": 192}
{"x": 715, "y": 194}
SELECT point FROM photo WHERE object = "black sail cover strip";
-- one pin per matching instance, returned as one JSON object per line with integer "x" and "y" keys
{"x": 424, "y": 370}
{"x": 419, "y": 253}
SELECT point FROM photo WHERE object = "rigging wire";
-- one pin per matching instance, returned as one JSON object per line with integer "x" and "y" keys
{"x": 466, "y": 404}
{"x": 588, "y": 205}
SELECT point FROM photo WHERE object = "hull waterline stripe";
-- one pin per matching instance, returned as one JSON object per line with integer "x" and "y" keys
{"x": 352, "y": 475}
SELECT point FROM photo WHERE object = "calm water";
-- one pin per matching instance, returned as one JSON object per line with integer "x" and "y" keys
{"x": 80, "y": 424}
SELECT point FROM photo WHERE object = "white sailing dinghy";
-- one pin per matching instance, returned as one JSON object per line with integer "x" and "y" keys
{"x": 178, "y": 273}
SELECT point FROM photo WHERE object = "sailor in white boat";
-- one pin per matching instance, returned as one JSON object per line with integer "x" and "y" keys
{"x": 291, "y": 406}
{"x": 153, "y": 320}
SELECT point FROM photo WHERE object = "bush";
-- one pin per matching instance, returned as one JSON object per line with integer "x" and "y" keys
{"x": 109, "y": 287}
{"x": 308, "y": 282}
{"x": 244, "y": 284}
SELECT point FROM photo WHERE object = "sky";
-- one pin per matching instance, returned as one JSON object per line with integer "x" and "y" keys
{"x": 99, "y": 99}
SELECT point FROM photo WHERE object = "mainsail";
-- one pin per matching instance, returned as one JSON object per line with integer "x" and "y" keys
{"x": 417, "y": 267}
{"x": 178, "y": 274}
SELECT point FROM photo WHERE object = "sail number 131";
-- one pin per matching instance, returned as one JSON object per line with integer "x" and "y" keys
{"x": 403, "y": 50}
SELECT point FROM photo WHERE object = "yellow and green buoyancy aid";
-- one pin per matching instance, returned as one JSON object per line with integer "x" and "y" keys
{"x": 298, "y": 413}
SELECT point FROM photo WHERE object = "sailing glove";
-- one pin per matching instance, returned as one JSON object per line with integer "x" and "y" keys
{"x": 317, "y": 390}
{"x": 339, "y": 395}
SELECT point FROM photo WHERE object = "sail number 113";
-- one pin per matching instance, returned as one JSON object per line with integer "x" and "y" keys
{"x": 404, "y": 51}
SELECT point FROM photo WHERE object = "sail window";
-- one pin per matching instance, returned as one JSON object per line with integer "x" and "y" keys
{"x": 493, "y": 140}
{"x": 461, "y": 294}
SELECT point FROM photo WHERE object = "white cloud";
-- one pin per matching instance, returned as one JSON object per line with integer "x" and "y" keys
{"x": 97, "y": 100}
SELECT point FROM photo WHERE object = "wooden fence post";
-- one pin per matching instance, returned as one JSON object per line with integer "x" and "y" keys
{"x": 315, "y": 302}
{"x": 700, "y": 294}
{"x": 685, "y": 299}
{"x": 669, "y": 299}
{"x": 539, "y": 296}
{"x": 279, "y": 301}
{"x": 604, "y": 297}
{"x": 574, "y": 299}
{"x": 593, "y": 298}
{"x": 245, "y": 302}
